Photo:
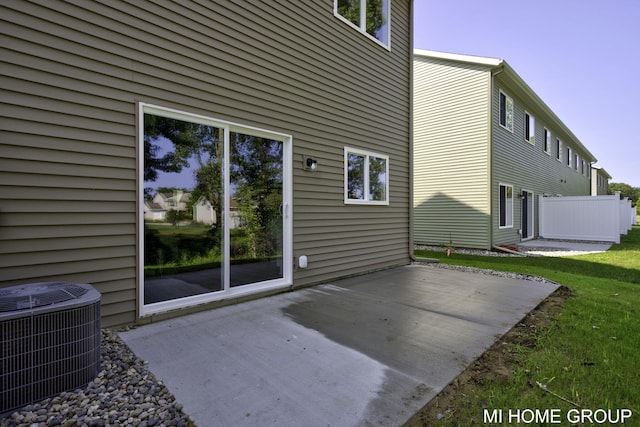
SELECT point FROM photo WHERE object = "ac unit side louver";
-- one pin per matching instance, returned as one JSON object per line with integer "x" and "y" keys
{"x": 49, "y": 341}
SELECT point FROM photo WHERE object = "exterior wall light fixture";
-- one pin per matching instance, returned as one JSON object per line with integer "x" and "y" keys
{"x": 310, "y": 164}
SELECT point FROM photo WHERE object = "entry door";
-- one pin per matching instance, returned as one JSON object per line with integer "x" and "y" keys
{"x": 216, "y": 202}
{"x": 527, "y": 214}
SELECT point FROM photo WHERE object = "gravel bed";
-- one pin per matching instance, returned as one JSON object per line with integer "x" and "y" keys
{"x": 125, "y": 393}
{"x": 465, "y": 251}
{"x": 489, "y": 272}
{"x": 535, "y": 251}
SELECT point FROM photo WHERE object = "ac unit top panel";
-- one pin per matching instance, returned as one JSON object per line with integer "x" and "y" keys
{"x": 21, "y": 300}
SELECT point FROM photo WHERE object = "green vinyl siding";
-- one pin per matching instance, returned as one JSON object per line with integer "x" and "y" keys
{"x": 527, "y": 166}
{"x": 462, "y": 154}
{"x": 74, "y": 73}
{"x": 451, "y": 149}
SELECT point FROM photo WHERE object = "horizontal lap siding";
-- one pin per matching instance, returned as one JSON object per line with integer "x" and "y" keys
{"x": 451, "y": 164}
{"x": 370, "y": 110}
{"x": 527, "y": 166}
{"x": 72, "y": 74}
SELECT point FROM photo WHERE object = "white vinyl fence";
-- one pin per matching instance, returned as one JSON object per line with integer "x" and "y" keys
{"x": 596, "y": 218}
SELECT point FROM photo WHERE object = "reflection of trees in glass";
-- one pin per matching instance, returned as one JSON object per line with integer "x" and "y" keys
{"x": 366, "y": 177}
{"x": 191, "y": 145}
{"x": 256, "y": 180}
{"x": 355, "y": 172}
{"x": 377, "y": 178}
{"x": 375, "y": 14}
{"x": 350, "y": 9}
{"x": 191, "y": 142}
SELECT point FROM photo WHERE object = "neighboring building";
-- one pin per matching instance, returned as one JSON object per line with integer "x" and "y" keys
{"x": 177, "y": 200}
{"x": 204, "y": 212}
{"x": 288, "y": 108}
{"x": 154, "y": 212}
{"x": 599, "y": 181}
{"x": 485, "y": 147}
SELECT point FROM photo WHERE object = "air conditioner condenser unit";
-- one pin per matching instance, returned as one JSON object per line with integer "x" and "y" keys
{"x": 49, "y": 341}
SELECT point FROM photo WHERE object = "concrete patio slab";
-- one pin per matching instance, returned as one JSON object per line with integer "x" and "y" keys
{"x": 368, "y": 350}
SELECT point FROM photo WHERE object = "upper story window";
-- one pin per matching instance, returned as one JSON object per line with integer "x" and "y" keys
{"x": 369, "y": 16}
{"x": 547, "y": 141}
{"x": 576, "y": 161}
{"x": 568, "y": 156}
{"x": 558, "y": 150}
{"x": 366, "y": 177}
{"x": 529, "y": 128}
{"x": 506, "y": 112}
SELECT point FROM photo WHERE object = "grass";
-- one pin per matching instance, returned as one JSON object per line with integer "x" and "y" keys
{"x": 587, "y": 357}
{"x": 192, "y": 247}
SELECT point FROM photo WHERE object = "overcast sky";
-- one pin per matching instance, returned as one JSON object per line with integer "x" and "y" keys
{"x": 582, "y": 57}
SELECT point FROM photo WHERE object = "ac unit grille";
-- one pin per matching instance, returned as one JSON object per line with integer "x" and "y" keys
{"x": 38, "y": 295}
{"x": 49, "y": 349}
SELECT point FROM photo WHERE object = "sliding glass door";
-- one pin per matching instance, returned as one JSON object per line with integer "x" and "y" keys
{"x": 215, "y": 203}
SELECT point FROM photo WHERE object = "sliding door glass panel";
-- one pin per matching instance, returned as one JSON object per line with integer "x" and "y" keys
{"x": 255, "y": 211}
{"x": 183, "y": 201}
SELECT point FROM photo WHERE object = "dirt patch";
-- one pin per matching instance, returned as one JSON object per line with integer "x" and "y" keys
{"x": 494, "y": 363}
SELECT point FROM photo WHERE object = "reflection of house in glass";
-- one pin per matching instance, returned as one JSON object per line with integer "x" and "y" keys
{"x": 204, "y": 212}
{"x": 156, "y": 209}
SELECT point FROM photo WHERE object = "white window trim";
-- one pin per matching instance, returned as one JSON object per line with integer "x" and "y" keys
{"x": 532, "y": 128}
{"x": 367, "y": 154}
{"x": 287, "y": 249}
{"x": 507, "y": 100}
{"x": 569, "y": 153}
{"x": 363, "y": 23}
{"x": 558, "y": 153}
{"x": 547, "y": 143}
{"x": 509, "y": 224}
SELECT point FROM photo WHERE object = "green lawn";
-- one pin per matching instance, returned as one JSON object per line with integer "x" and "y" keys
{"x": 588, "y": 358}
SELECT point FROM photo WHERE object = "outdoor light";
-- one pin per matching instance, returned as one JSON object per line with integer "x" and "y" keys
{"x": 311, "y": 164}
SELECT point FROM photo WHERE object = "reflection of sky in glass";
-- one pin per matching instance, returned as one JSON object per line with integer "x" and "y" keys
{"x": 383, "y": 31}
{"x": 184, "y": 179}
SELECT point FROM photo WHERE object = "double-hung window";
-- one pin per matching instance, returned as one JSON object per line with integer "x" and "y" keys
{"x": 366, "y": 177}
{"x": 568, "y": 157}
{"x": 506, "y": 206}
{"x": 547, "y": 141}
{"x": 506, "y": 112}
{"x": 371, "y": 17}
{"x": 529, "y": 128}
{"x": 558, "y": 150}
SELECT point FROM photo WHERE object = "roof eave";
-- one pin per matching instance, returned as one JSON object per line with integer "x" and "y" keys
{"x": 529, "y": 93}
{"x": 500, "y": 65}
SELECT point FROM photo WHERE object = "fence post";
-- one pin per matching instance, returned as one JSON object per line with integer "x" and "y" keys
{"x": 541, "y": 217}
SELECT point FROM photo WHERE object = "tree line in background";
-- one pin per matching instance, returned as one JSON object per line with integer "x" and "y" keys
{"x": 632, "y": 193}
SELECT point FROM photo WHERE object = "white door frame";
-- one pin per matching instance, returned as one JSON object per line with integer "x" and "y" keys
{"x": 287, "y": 196}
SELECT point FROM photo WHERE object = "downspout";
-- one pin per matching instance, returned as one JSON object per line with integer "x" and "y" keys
{"x": 410, "y": 123}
